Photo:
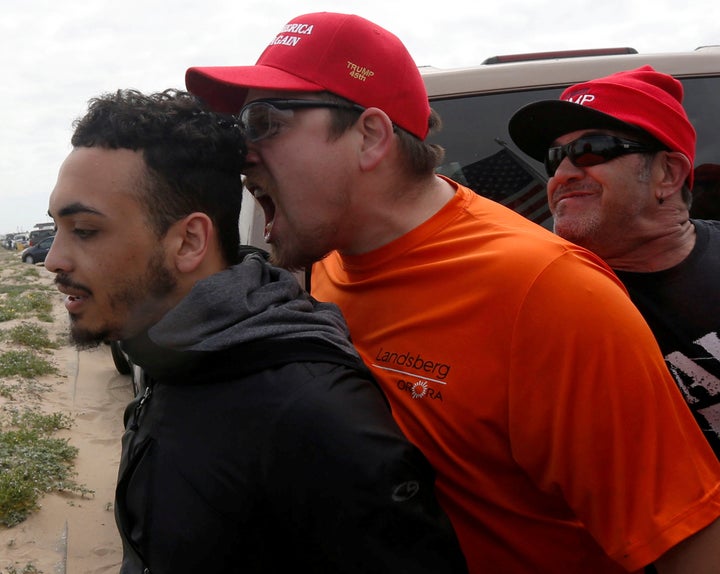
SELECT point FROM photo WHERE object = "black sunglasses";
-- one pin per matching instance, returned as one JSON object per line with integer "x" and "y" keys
{"x": 262, "y": 119}
{"x": 593, "y": 150}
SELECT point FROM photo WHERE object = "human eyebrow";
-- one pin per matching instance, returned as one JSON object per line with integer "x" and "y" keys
{"x": 76, "y": 208}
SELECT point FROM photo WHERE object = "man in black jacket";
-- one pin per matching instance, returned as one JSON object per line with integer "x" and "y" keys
{"x": 261, "y": 443}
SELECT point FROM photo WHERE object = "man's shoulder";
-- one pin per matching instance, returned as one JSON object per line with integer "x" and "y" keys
{"x": 489, "y": 221}
{"x": 273, "y": 353}
{"x": 712, "y": 226}
{"x": 707, "y": 244}
{"x": 498, "y": 216}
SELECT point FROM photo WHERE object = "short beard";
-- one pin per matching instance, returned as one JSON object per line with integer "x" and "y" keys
{"x": 289, "y": 257}
{"x": 84, "y": 340}
{"x": 138, "y": 297}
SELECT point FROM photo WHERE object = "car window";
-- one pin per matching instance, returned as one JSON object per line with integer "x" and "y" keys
{"x": 479, "y": 153}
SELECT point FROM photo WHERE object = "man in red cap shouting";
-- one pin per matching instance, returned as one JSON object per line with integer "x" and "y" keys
{"x": 513, "y": 358}
{"x": 619, "y": 151}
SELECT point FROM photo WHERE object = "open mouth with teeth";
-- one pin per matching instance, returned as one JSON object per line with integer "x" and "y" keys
{"x": 74, "y": 303}
{"x": 268, "y": 207}
{"x": 75, "y": 297}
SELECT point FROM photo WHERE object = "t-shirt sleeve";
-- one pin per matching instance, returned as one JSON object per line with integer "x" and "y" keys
{"x": 596, "y": 417}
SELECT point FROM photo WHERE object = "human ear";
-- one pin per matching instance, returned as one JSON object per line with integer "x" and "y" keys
{"x": 190, "y": 240}
{"x": 675, "y": 170}
{"x": 377, "y": 133}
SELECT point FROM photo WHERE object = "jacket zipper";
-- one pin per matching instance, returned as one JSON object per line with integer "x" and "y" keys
{"x": 139, "y": 406}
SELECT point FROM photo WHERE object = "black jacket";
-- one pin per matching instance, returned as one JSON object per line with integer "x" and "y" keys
{"x": 269, "y": 448}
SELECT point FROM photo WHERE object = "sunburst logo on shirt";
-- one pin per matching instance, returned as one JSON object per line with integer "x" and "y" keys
{"x": 419, "y": 390}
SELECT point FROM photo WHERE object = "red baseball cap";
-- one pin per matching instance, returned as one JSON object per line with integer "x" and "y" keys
{"x": 642, "y": 98}
{"x": 325, "y": 51}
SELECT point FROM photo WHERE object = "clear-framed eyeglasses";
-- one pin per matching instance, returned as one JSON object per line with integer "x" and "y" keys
{"x": 262, "y": 119}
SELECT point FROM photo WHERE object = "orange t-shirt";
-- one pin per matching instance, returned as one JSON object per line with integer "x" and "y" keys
{"x": 519, "y": 366}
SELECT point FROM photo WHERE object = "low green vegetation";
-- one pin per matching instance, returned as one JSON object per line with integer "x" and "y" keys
{"x": 29, "y": 568}
{"x": 30, "y": 335}
{"x": 17, "y": 301}
{"x": 22, "y": 294}
{"x": 24, "y": 364}
{"x": 32, "y": 460}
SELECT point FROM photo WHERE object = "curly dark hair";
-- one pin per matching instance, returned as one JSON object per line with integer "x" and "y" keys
{"x": 194, "y": 156}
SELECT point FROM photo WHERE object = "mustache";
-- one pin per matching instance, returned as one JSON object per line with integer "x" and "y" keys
{"x": 575, "y": 186}
{"x": 567, "y": 188}
{"x": 65, "y": 281}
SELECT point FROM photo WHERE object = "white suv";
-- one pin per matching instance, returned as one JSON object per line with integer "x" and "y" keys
{"x": 476, "y": 104}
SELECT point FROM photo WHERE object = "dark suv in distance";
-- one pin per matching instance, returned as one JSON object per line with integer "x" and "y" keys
{"x": 37, "y": 235}
{"x": 36, "y": 253}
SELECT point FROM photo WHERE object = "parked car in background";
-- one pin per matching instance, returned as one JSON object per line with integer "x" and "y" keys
{"x": 37, "y": 253}
{"x": 20, "y": 241}
{"x": 37, "y": 235}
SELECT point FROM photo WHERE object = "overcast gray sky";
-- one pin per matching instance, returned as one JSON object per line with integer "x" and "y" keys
{"x": 57, "y": 54}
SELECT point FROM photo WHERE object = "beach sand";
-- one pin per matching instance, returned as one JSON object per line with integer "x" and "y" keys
{"x": 70, "y": 533}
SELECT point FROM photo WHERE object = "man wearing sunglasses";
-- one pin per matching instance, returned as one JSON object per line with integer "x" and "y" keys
{"x": 619, "y": 151}
{"x": 513, "y": 358}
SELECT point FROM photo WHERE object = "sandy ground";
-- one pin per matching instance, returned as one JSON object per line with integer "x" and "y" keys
{"x": 71, "y": 534}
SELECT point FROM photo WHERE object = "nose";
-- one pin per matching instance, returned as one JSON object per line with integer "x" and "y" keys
{"x": 55, "y": 260}
{"x": 567, "y": 171}
{"x": 253, "y": 156}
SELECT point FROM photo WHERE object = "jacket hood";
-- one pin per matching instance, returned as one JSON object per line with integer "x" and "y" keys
{"x": 248, "y": 303}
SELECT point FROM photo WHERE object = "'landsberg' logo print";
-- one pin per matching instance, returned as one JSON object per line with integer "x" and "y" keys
{"x": 416, "y": 373}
